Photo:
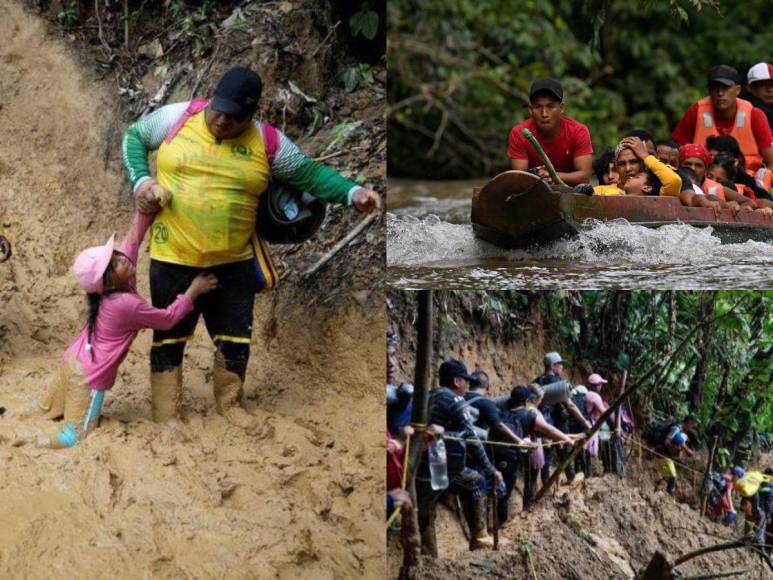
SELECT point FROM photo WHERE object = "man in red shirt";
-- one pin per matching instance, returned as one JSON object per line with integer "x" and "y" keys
{"x": 566, "y": 142}
{"x": 723, "y": 113}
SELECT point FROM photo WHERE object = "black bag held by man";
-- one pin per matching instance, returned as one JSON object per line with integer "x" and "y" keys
{"x": 287, "y": 215}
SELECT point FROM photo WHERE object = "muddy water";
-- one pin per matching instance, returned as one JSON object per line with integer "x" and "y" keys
{"x": 431, "y": 244}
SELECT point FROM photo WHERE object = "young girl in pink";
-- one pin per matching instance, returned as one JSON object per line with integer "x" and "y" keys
{"x": 116, "y": 314}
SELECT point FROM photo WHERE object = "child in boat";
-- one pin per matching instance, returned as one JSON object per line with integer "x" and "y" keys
{"x": 640, "y": 173}
{"x": 117, "y": 313}
{"x": 724, "y": 170}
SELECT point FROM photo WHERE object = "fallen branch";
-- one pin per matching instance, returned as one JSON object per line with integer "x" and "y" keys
{"x": 343, "y": 243}
{"x": 725, "y": 546}
{"x": 126, "y": 24}
{"x": 99, "y": 30}
{"x": 163, "y": 93}
{"x": 329, "y": 156}
{"x": 717, "y": 575}
{"x": 324, "y": 40}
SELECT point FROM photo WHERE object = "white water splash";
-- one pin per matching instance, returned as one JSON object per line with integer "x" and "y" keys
{"x": 430, "y": 240}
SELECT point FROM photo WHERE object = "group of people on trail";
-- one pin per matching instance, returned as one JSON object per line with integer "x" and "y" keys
{"x": 668, "y": 442}
{"x": 755, "y": 490}
{"x": 214, "y": 164}
{"x": 474, "y": 446}
{"x": 489, "y": 441}
{"x": 720, "y": 154}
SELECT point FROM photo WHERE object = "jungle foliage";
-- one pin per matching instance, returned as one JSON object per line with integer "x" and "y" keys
{"x": 708, "y": 353}
{"x": 459, "y": 70}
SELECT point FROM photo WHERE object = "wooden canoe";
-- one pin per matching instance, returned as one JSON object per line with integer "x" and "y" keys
{"x": 517, "y": 209}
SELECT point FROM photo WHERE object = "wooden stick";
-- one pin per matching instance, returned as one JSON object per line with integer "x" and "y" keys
{"x": 329, "y": 156}
{"x": 406, "y": 454}
{"x": 126, "y": 24}
{"x": 369, "y": 219}
{"x": 393, "y": 517}
{"x": 545, "y": 159}
{"x": 717, "y": 575}
{"x": 495, "y": 515}
{"x": 419, "y": 416}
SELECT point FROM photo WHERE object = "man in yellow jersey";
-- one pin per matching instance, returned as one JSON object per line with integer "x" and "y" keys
{"x": 216, "y": 162}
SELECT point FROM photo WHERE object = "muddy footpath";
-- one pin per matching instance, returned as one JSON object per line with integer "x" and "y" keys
{"x": 293, "y": 487}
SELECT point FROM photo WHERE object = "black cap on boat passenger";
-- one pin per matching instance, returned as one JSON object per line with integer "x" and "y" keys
{"x": 550, "y": 87}
{"x": 725, "y": 75}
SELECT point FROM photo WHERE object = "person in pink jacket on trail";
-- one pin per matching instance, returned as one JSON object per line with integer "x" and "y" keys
{"x": 117, "y": 313}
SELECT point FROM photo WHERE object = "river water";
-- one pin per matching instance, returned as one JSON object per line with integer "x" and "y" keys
{"x": 430, "y": 244}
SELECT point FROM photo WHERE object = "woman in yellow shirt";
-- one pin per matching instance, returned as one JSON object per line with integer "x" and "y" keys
{"x": 640, "y": 172}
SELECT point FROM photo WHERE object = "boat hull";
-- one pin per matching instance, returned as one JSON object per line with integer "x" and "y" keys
{"x": 518, "y": 210}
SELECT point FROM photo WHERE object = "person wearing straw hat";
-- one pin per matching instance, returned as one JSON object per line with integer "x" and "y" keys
{"x": 117, "y": 313}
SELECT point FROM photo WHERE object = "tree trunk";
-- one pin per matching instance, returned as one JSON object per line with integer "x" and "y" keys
{"x": 419, "y": 416}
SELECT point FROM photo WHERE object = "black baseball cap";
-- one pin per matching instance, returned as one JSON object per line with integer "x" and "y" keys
{"x": 237, "y": 93}
{"x": 550, "y": 86}
{"x": 725, "y": 75}
{"x": 452, "y": 368}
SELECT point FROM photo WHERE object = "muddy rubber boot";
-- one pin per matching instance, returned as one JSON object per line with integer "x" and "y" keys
{"x": 429, "y": 542}
{"x": 166, "y": 393}
{"x": 228, "y": 387}
{"x": 479, "y": 538}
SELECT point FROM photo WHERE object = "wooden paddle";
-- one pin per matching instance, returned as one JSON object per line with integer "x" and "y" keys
{"x": 545, "y": 159}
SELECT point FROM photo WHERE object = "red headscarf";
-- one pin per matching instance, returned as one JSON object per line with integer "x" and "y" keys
{"x": 694, "y": 150}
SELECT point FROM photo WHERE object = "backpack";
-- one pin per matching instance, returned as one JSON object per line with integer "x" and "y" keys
{"x": 508, "y": 418}
{"x": 574, "y": 425}
{"x": 750, "y": 484}
{"x": 656, "y": 433}
{"x": 718, "y": 482}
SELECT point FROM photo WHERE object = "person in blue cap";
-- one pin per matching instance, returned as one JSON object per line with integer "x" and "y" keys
{"x": 672, "y": 448}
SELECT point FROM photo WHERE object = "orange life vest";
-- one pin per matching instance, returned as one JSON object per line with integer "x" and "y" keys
{"x": 705, "y": 126}
{"x": 764, "y": 178}
{"x": 710, "y": 187}
{"x": 746, "y": 192}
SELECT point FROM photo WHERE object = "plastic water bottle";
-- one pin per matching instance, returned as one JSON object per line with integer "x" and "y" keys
{"x": 438, "y": 465}
{"x": 291, "y": 209}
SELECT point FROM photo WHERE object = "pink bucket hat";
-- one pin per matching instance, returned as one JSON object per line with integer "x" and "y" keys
{"x": 90, "y": 265}
{"x": 595, "y": 379}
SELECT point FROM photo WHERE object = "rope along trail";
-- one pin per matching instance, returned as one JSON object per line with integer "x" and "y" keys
{"x": 421, "y": 427}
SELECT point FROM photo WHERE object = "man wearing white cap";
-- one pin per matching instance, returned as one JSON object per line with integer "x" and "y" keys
{"x": 760, "y": 89}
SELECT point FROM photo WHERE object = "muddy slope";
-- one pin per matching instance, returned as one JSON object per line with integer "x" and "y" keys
{"x": 607, "y": 529}
{"x": 285, "y": 491}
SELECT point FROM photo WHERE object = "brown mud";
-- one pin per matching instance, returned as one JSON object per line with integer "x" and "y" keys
{"x": 607, "y": 528}
{"x": 291, "y": 488}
